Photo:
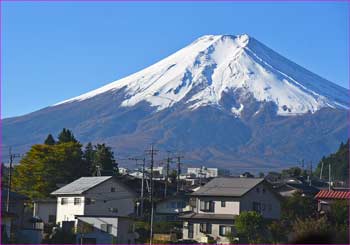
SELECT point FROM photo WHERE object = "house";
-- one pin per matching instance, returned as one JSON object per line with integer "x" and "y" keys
{"x": 168, "y": 209}
{"x": 203, "y": 172}
{"x": 45, "y": 210}
{"x": 103, "y": 195}
{"x": 14, "y": 218}
{"x": 216, "y": 205}
{"x": 326, "y": 197}
{"x": 290, "y": 186}
{"x": 109, "y": 229}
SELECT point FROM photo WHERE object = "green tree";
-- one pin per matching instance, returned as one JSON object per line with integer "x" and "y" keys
{"x": 278, "y": 232}
{"x": 339, "y": 162}
{"x": 339, "y": 212}
{"x": 250, "y": 225}
{"x": 45, "y": 166}
{"x": 66, "y": 136}
{"x": 309, "y": 227}
{"x": 104, "y": 158}
{"x": 88, "y": 156}
{"x": 298, "y": 206}
{"x": 49, "y": 140}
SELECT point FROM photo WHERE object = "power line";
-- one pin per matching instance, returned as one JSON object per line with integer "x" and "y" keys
{"x": 11, "y": 156}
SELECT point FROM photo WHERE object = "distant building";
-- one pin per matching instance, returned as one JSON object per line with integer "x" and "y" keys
{"x": 326, "y": 197}
{"x": 203, "y": 172}
{"x": 123, "y": 171}
{"x": 95, "y": 199}
{"x": 216, "y": 205}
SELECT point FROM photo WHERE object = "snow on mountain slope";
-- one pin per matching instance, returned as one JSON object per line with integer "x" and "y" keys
{"x": 202, "y": 72}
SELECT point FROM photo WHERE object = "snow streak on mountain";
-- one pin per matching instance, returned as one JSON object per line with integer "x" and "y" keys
{"x": 201, "y": 73}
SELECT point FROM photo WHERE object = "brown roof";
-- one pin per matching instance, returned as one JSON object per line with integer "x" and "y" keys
{"x": 326, "y": 194}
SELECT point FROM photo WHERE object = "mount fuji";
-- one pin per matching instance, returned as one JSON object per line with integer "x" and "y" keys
{"x": 226, "y": 101}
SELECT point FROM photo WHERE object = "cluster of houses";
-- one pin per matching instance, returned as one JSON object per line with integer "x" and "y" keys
{"x": 104, "y": 209}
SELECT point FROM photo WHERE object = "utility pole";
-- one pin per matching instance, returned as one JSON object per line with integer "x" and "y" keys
{"x": 321, "y": 170}
{"x": 143, "y": 179}
{"x": 178, "y": 173}
{"x": 329, "y": 176}
{"x": 12, "y": 156}
{"x": 167, "y": 174}
{"x": 151, "y": 152}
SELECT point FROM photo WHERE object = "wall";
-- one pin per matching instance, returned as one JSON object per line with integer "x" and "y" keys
{"x": 68, "y": 211}
{"x": 267, "y": 199}
{"x": 232, "y": 205}
{"x": 44, "y": 209}
{"x": 122, "y": 199}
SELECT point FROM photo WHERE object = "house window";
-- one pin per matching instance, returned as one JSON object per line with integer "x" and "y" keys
{"x": 224, "y": 230}
{"x": 205, "y": 228}
{"x": 258, "y": 190}
{"x": 106, "y": 228}
{"x": 190, "y": 230}
{"x": 223, "y": 204}
{"x": 257, "y": 207}
{"x": 64, "y": 200}
{"x": 89, "y": 201}
{"x": 77, "y": 201}
{"x": 207, "y": 206}
{"x": 112, "y": 189}
{"x": 264, "y": 190}
{"x": 113, "y": 210}
{"x": 52, "y": 218}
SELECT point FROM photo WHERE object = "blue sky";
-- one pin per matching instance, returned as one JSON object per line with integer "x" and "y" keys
{"x": 52, "y": 51}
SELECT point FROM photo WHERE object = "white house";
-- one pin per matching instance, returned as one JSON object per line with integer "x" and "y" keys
{"x": 216, "y": 205}
{"x": 97, "y": 197}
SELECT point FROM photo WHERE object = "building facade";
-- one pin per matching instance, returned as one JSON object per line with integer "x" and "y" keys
{"x": 216, "y": 205}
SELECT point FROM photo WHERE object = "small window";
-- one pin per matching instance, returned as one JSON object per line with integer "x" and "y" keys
{"x": 224, "y": 230}
{"x": 258, "y": 190}
{"x": 106, "y": 228}
{"x": 264, "y": 190}
{"x": 113, "y": 210}
{"x": 89, "y": 201}
{"x": 112, "y": 189}
{"x": 205, "y": 228}
{"x": 77, "y": 201}
{"x": 257, "y": 207}
{"x": 52, "y": 218}
{"x": 64, "y": 200}
{"x": 223, "y": 204}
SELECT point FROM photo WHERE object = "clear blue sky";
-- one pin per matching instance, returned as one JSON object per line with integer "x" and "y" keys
{"x": 54, "y": 51}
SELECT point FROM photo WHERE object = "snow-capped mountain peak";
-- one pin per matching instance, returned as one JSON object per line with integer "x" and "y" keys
{"x": 214, "y": 65}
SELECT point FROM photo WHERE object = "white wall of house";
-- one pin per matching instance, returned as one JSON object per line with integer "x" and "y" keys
{"x": 215, "y": 231}
{"x": 44, "y": 210}
{"x": 108, "y": 198}
{"x": 262, "y": 195}
{"x": 232, "y": 205}
{"x": 67, "y": 211}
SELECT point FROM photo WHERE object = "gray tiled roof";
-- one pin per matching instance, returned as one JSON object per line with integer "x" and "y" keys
{"x": 81, "y": 185}
{"x": 233, "y": 187}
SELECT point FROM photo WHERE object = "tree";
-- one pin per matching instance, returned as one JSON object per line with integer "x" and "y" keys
{"x": 45, "y": 166}
{"x": 311, "y": 230}
{"x": 250, "y": 225}
{"x": 66, "y": 136}
{"x": 88, "y": 156}
{"x": 278, "y": 232}
{"x": 104, "y": 157}
{"x": 298, "y": 206}
{"x": 339, "y": 162}
{"x": 339, "y": 212}
{"x": 49, "y": 140}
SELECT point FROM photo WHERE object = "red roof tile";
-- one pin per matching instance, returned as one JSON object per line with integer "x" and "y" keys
{"x": 325, "y": 194}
